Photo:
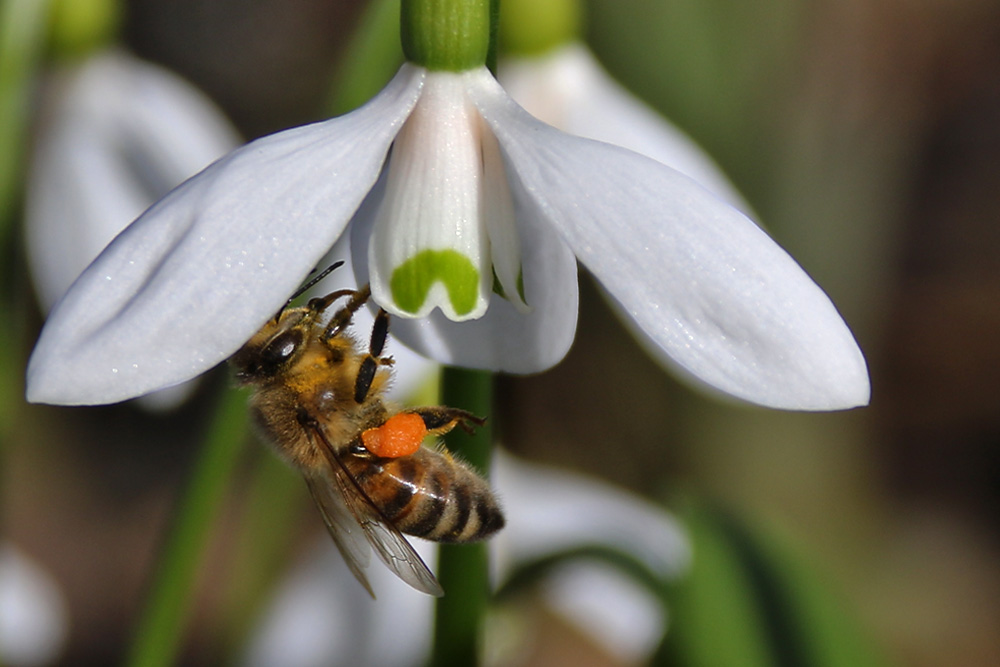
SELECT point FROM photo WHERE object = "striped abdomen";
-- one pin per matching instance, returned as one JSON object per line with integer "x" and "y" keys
{"x": 429, "y": 495}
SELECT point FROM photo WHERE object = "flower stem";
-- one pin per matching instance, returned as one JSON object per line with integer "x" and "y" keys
{"x": 449, "y": 35}
{"x": 463, "y": 569}
{"x": 162, "y": 623}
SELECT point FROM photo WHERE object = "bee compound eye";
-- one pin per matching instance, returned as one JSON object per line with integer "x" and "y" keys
{"x": 280, "y": 349}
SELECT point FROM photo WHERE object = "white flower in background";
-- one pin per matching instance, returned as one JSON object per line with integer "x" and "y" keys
{"x": 34, "y": 621}
{"x": 116, "y": 134}
{"x": 321, "y": 616}
{"x": 474, "y": 186}
{"x": 568, "y": 89}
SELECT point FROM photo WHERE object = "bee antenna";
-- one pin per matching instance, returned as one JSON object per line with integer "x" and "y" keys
{"x": 305, "y": 287}
{"x": 322, "y": 274}
{"x": 315, "y": 279}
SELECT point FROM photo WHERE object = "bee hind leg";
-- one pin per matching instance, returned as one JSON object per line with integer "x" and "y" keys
{"x": 441, "y": 419}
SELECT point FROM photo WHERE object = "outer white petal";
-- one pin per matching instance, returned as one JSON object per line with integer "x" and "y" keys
{"x": 714, "y": 292}
{"x": 568, "y": 89}
{"x": 118, "y": 134}
{"x": 195, "y": 276}
{"x": 504, "y": 339}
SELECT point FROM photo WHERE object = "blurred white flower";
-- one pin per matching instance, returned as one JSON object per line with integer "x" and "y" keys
{"x": 567, "y": 88}
{"x": 321, "y": 616}
{"x": 116, "y": 134}
{"x": 34, "y": 621}
{"x": 478, "y": 199}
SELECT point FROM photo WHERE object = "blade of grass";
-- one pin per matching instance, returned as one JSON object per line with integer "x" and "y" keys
{"x": 161, "y": 626}
{"x": 22, "y": 37}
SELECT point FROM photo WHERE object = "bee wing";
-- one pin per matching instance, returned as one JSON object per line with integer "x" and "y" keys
{"x": 351, "y": 540}
{"x": 347, "y": 508}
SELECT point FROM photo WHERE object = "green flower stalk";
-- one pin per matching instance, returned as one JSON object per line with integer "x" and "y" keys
{"x": 446, "y": 35}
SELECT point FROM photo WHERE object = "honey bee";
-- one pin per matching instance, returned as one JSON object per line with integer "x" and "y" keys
{"x": 319, "y": 400}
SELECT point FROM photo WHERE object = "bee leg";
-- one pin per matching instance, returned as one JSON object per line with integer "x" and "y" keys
{"x": 380, "y": 330}
{"x": 441, "y": 419}
{"x": 320, "y": 303}
{"x": 371, "y": 362}
{"x": 342, "y": 318}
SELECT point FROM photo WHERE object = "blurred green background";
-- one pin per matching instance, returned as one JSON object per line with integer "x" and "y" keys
{"x": 866, "y": 134}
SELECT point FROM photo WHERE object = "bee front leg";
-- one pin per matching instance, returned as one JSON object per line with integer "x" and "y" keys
{"x": 342, "y": 318}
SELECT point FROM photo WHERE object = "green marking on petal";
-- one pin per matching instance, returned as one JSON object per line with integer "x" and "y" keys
{"x": 497, "y": 287}
{"x": 412, "y": 280}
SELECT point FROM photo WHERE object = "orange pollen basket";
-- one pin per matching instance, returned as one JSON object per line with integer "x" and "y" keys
{"x": 400, "y": 435}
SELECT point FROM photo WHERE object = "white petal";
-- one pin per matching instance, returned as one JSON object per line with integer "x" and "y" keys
{"x": 505, "y": 250}
{"x": 34, "y": 620}
{"x": 432, "y": 210}
{"x": 117, "y": 134}
{"x": 195, "y": 276}
{"x": 504, "y": 339}
{"x": 624, "y": 617}
{"x": 550, "y": 510}
{"x": 568, "y": 89}
{"x": 713, "y": 291}
{"x": 319, "y": 615}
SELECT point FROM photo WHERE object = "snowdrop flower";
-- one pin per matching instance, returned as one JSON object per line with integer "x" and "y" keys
{"x": 548, "y": 71}
{"x": 469, "y": 230}
{"x": 321, "y": 616}
{"x": 567, "y": 88}
{"x": 34, "y": 620}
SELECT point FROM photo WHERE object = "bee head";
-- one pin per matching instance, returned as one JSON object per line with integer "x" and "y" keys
{"x": 279, "y": 342}
{"x": 273, "y": 349}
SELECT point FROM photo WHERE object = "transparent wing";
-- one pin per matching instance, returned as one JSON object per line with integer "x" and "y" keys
{"x": 345, "y": 530}
{"x": 350, "y": 514}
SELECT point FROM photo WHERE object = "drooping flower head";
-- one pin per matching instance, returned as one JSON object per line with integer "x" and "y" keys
{"x": 468, "y": 217}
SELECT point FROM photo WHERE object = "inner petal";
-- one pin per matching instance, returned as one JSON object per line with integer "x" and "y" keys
{"x": 429, "y": 246}
{"x": 501, "y": 225}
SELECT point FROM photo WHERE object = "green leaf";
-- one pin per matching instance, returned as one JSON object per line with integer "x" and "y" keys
{"x": 750, "y": 601}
